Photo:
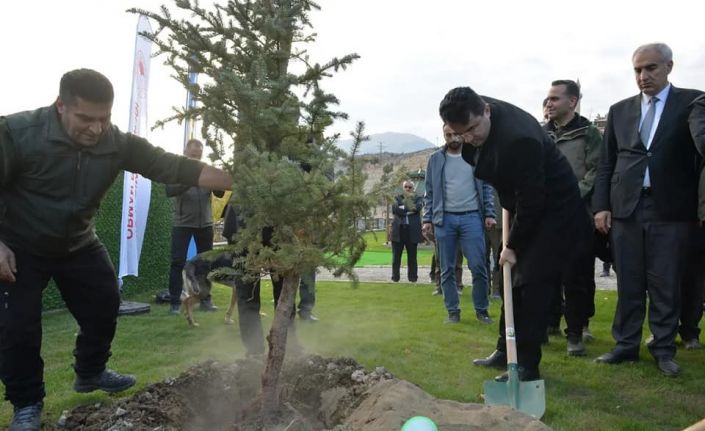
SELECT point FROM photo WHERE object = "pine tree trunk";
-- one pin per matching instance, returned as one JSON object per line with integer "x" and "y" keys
{"x": 277, "y": 346}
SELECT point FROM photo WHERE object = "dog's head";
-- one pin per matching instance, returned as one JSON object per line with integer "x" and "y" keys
{"x": 195, "y": 278}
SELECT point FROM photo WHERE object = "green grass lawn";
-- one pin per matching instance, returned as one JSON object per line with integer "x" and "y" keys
{"x": 398, "y": 326}
{"x": 379, "y": 254}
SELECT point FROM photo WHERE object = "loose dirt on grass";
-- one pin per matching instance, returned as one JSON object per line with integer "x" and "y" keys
{"x": 317, "y": 394}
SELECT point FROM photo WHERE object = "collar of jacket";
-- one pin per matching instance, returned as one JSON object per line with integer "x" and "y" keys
{"x": 55, "y": 133}
{"x": 576, "y": 128}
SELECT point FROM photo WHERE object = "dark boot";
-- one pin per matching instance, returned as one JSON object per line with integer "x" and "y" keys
{"x": 525, "y": 375}
{"x": 109, "y": 381}
{"x": 27, "y": 418}
{"x": 497, "y": 359}
{"x": 575, "y": 346}
{"x": 207, "y": 305}
{"x": 453, "y": 317}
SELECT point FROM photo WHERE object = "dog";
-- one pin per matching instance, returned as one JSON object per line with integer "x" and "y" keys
{"x": 198, "y": 274}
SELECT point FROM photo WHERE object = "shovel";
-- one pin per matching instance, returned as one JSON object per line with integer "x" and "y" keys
{"x": 527, "y": 397}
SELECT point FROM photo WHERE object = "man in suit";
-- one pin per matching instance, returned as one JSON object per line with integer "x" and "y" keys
{"x": 646, "y": 194}
{"x": 406, "y": 231}
{"x": 536, "y": 184}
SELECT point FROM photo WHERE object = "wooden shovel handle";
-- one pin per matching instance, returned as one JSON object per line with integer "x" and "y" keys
{"x": 508, "y": 302}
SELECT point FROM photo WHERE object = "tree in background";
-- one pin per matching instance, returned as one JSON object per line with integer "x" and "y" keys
{"x": 264, "y": 113}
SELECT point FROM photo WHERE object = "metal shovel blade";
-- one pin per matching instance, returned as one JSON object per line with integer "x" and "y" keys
{"x": 527, "y": 397}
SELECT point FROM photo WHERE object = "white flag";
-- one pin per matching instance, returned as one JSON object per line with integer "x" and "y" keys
{"x": 136, "y": 189}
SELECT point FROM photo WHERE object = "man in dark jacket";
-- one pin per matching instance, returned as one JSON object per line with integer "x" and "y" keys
{"x": 536, "y": 184}
{"x": 56, "y": 164}
{"x": 580, "y": 141}
{"x": 406, "y": 231}
{"x": 193, "y": 218}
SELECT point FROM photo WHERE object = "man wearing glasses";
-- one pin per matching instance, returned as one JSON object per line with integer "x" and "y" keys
{"x": 536, "y": 184}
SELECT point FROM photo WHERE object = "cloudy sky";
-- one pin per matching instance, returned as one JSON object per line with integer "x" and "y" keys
{"x": 412, "y": 52}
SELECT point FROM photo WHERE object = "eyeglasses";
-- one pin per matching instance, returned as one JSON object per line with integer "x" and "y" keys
{"x": 408, "y": 187}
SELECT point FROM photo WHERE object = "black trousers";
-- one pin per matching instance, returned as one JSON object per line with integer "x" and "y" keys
{"x": 249, "y": 305}
{"x": 693, "y": 289}
{"x": 88, "y": 285}
{"x": 649, "y": 259}
{"x": 574, "y": 297}
{"x": 180, "y": 239}
{"x": 397, "y": 249}
{"x": 540, "y": 267}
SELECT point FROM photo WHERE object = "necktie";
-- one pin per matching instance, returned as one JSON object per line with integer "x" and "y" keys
{"x": 648, "y": 122}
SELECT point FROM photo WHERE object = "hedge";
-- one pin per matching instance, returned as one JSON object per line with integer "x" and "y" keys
{"x": 155, "y": 259}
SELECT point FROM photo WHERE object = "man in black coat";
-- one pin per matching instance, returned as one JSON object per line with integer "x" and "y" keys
{"x": 646, "y": 194}
{"x": 548, "y": 220}
{"x": 406, "y": 231}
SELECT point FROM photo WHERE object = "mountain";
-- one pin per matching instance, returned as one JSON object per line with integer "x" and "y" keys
{"x": 396, "y": 143}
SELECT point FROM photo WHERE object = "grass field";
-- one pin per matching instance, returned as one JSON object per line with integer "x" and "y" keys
{"x": 398, "y": 326}
{"x": 379, "y": 254}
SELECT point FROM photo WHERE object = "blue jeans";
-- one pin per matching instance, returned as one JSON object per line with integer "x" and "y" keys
{"x": 469, "y": 230}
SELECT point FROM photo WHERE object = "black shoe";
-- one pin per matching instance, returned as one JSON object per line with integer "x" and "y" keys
{"x": 395, "y": 279}
{"x": 308, "y": 317}
{"x": 207, "y": 305}
{"x": 453, "y": 317}
{"x": 109, "y": 381}
{"x": 668, "y": 367}
{"x": 174, "y": 309}
{"x": 483, "y": 317}
{"x": 575, "y": 347}
{"x": 553, "y": 330}
{"x": 413, "y": 280}
{"x": 525, "y": 375}
{"x": 497, "y": 359}
{"x": 615, "y": 357}
{"x": 27, "y": 418}
{"x": 692, "y": 344}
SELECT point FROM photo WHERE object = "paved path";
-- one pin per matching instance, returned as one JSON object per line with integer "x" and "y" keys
{"x": 383, "y": 274}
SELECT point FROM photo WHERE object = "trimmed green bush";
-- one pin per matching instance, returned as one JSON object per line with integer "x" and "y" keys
{"x": 155, "y": 258}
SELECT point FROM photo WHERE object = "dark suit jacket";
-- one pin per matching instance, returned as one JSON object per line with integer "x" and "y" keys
{"x": 672, "y": 160}
{"x": 532, "y": 178}
{"x": 414, "y": 218}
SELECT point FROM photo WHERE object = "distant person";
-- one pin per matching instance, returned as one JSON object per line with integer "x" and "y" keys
{"x": 406, "y": 231}
{"x": 580, "y": 142}
{"x": 193, "y": 218}
{"x": 646, "y": 197}
{"x": 458, "y": 208}
{"x": 56, "y": 164}
{"x": 536, "y": 184}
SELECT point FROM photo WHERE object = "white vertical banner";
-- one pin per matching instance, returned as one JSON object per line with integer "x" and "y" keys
{"x": 136, "y": 189}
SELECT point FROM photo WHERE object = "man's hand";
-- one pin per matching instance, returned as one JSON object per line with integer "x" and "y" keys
{"x": 507, "y": 256}
{"x": 8, "y": 267}
{"x": 490, "y": 223}
{"x": 427, "y": 228}
{"x": 603, "y": 221}
{"x": 215, "y": 179}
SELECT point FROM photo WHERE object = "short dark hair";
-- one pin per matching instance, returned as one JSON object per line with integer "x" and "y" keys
{"x": 572, "y": 89}
{"x": 194, "y": 142}
{"x": 87, "y": 84}
{"x": 459, "y": 103}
